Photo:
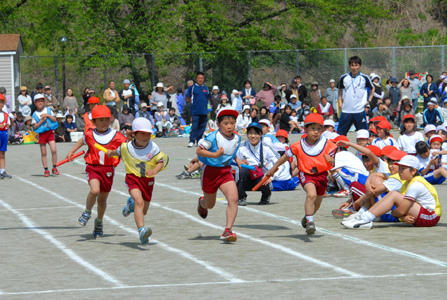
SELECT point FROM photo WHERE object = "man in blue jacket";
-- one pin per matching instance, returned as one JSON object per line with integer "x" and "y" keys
{"x": 431, "y": 114}
{"x": 198, "y": 95}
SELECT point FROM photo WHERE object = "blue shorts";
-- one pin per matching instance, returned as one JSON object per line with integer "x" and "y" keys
{"x": 3, "y": 140}
{"x": 432, "y": 180}
{"x": 285, "y": 185}
{"x": 349, "y": 177}
{"x": 387, "y": 217}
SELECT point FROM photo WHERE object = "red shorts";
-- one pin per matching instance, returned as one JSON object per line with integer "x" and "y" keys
{"x": 46, "y": 137}
{"x": 214, "y": 177}
{"x": 319, "y": 180}
{"x": 144, "y": 184}
{"x": 426, "y": 218}
{"x": 104, "y": 174}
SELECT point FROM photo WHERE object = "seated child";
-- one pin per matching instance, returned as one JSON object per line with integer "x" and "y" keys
{"x": 70, "y": 126}
{"x": 162, "y": 119}
{"x": 431, "y": 115}
{"x": 26, "y": 126}
{"x": 60, "y": 132}
{"x": 18, "y": 121}
{"x": 329, "y": 130}
{"x": 430, "y": 167}
{"x": 383, "y": 132}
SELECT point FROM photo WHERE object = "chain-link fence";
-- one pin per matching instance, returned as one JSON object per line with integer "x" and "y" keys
{"x": 227, "y": 70}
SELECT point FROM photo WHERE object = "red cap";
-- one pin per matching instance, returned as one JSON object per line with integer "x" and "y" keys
{"x": 436, "y": 138}
{"x": 341, "y": 138}
{"x": 2, "y": 97}
{"x": 409, "y": 116}
{"x": 314, "y": 118}
{"x": 384, "y": 125}
{"x": 388, "y": 149}
{"x": 395, "y": 155}
{"x": 101, "y": 111}
{"x": 93, "y": 100}
{"x": 380, "y": 118}
{"x": 373, "y": 131}
{"x": 282, "y": 133}
{"x": 227, "y": 111}
{"x": 375, "y": 150}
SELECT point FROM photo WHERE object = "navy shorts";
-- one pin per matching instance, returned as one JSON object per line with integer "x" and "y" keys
{"x": 347, "y": 119}
{"x": 3, "y": 140}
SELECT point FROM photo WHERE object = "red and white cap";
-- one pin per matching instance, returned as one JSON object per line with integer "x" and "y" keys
{"x": 265, "y": 121}
{"x": 329, "y": 123}
{"x": 408, "y": 161}
{"x": 429, "y": 127}
{"x": 142, "y": 124}
{"x": 436, "y": 138}
{"x": 38, "y": 96}
{"x": 226, "y": 111}
{"x": 363, "y": 134}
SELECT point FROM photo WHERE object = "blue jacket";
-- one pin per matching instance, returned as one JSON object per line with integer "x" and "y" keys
{"x": 425, "y": 88}
{"x": 430, "y": 116}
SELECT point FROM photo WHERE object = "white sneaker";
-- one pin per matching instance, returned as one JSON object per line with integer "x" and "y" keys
{"x": 342, "y": 194}
{"x": 353, "y": 216}
{"x": 190, "y": 145}
{"x": 358, "y": 224}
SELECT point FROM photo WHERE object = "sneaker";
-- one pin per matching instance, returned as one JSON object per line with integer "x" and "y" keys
{"x": 303, "y": 222}
{"x": 310, "y": 228}
{"x": 228, "y": 236}
{"x": 342, "y": 194}
{"x": 145, "y": 233}
{"x": 98, "y": 229}
{"x": 186, "y": 167}
{"x": 46, "y": 173}
{"x": 129, "y": 207}
{"x": 83, "y": 219}
{"x": 184, "y": 175}
{"x": 191, "y": 144}
{"x": 264, "y": 200}
{"x": 353, "y": 216}
{"x": 4, "y": 175}
{"x": 55, "y": 171}
{"x": 358, "y": 223}
{"x": 196, "y": 174}
{"x": 242, "y": 202}
{"x": 342, "y": 213}
{"x": 203, "y": 212}
{"x": 332, "y": 189}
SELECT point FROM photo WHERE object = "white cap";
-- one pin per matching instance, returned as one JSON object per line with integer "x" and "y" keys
{"x": 60, "y": 116}
{"x": 405, "y": 97}
{"x": 38, "y": 96}
{"x": 227, "y": 111}
{"x": 126, "y": 81}
{"x": 433, "y": 101}
{"x": 329, "y": 123}
{"x": 363, "y": 134}
{"x": 160, "y": 84}
{"x": 440, "y": 127}
{"x": 246, "y": 107}
{"x": 282, "y": 106}
{"x": 142, "y": 124}
{"x": 332, "y": 81}
{"x": 264, "y": 121}
{"x": 143, "y": 105}
{"x": 215, "y": 88}
{"x": 160, "y": 104}
{"x": 408, "y": 161}
{"x": 292, "y": 96}
{"x": 429, "y": 127}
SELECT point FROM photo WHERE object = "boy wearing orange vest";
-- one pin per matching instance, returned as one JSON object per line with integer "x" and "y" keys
{"x": 4, "y": 125}
{"x": 92, "y": 103}
{"x": 313, "y": 153}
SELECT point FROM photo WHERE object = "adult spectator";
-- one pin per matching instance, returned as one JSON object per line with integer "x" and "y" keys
{"x": 70, "y": 102}
{"x": 180, "y": 105}
{"x": 332, "y": 96}
{"x": 50, "y": 99}
{"x": 85, "y": 96}
{"x": 297, "y": 87}
{"x": 282, "y": 89}
{"x": 266, "y": 96}
{"x": 137, "y": 97}
{"x": 314, "y": 95}
{"x": 125, "y": 117}
{"x": 159, "y": 95}
{"x": 144, "y": 113}
{"x": 80, "y": 122}
{"x": 383, "y": 110}
{"x": 39, "y": 90}
{"x": 354, "y": 87}
{"x": 416, "y": 87}
{"x": 286, "y": 123}
{"x": 172, "y": 100}
{"x": 428, "y": 90}
{"x": 111, "y": 96}
{"x": 293, "y": 90}
{"x": 127, "y": 96}
{"x": 406, "y": 90}
{"x": 188, "y": 105}
{"x": 275, "y": 110}
{"x": 378, "y": 90}
{"x": 294, "y": 103}
{"x": 198, "y": 95}
{"x": 248, "y": 93}
{"x": 24, "y": 102}
{"x": 236, "y": 101}
{"x": 394, "y": 91}
{"x": 254, "y": 114}
{"x": 215, "y": 101}
{"x": 325, "y": 109}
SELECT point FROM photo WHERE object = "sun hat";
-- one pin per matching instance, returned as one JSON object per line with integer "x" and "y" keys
{"x": 47, "y": 87}
{"x": 429, "y": 127}
{"x": 436, "y": 138}
{"x": 393, "y": 79}
{"x": 433, "y": 101}
{"x": 362, "y": 134}
{"x": 332, "y": 81}
{"x": 223, "y": 97}
{"x": 292, "y": 96}
{"x": 329, "y": 123}
{"x": 142, "y": 124}
{"x": 28, "y": 118}
{"x": 23, "y": 88}
{"x": 160, "y": 84}
{"x": 246, "y": 107}
{"x": 215, "y": 88}
{"x": 341, "y": 138}
{"x": 60, "y": 116}
{"x": 440, "y": 127}
{"x": 227, "y": 111}
{"x": 314, "y": 118}
{"x": 314, "y": 83}
{"x": 408, "y": 161}
{"x": 101, "y": 111}
{"x": 265, "y": 121}
{"x": 143, "y": 105}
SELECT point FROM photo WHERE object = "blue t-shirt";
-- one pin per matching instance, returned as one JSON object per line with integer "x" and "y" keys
{"x": 296, "y": 105}
{"x": 199, "y": 95}
{"x": 71, "y": 126}
{"x": 273, "y": 108}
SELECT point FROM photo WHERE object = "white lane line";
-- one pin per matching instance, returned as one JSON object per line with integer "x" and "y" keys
{"x": 343, "y": 236}
{"x": 71, "y": 254}
{"x": 228, "y": 276}
{"x": 222, "y": 283}
{"x": 266, "y": 243}
{"x": 49, "y": 208}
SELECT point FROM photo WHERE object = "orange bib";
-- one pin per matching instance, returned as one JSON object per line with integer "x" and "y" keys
{"x": 313, "y": 164}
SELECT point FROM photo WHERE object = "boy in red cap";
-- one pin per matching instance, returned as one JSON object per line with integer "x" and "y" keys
{"x": 100, "y": 167}
{"x": 384, "y": 139}
{"x": 4, "y": 126}
{"x": 92, "y": 103}
{"x": 313, "y": 153}
{"x": 44, "y": 122}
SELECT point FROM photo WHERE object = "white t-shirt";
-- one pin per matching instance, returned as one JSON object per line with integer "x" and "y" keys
{"x": 444, "y": 157}
{"x": 419, "y": 193}
{"x": 229, "y": 144}
{"x": 39, "y": 113}
{"x": 252, "y": 155}
{"x": 423, "y": 162}
{"x": 382, "y": 167}
{"x": 102, "y": 137}
{"x": 330, "y": 135}
{"x": 386, "y": 142}
{"x": 349, "y": 161}
{"x": 407, "y": 142}
{"x": 355, "y": 92}
{"x": 141, "y": 153}
{"x": 2, "y": 118}
{"x": 392, "y": 184}
{"x": 294, "y": 118}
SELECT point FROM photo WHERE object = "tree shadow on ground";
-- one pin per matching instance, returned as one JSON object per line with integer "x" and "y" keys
{"x": 304, "y": 237}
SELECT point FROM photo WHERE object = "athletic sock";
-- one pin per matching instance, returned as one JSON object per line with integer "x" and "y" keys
{"x": 309, "y": 218}
{"x": 98, "y": 221}
{"x": 368, "y": 217}
{"x": 46, "y": 169}
{"x": 141, "y": 228}
{"x": 89, "y": 211}
{"x": 341, "y": 182}
{"x": 54, "y": 166}
{"x": 2, "y": 171}
{"x": 363, "y": 210}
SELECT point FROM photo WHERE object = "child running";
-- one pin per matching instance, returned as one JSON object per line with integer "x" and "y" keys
{"x": 143, "y": 160}
{"x": 409, "y": 137}
{"x": 217, "y": 151}
{"x": 4, "y": 126}
{"x": 100, "y": 167}
{"x": 44, "y": 122}
{"x": 313, "y": 153}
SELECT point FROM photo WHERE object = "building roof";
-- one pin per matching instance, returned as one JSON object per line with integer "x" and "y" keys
{"x": 10, "y": 42}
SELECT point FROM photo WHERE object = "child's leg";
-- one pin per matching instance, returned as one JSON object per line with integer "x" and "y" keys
{"x": 311, "y": 198}
{"x": 141, "y": 207}
{"x": 194, "y": 167}
{"x": 292, "y": 127}
{"x": 229, "y": 189}
{"x": 92, "y": 195}
{"x": 317, "y": 204}
{"x": 440, "y": 172}
{"x": 208, "y": 201}
{"x": 387, "y": 202}
{"x": 43, "y": 152}
{"x": 2, "y": 160}
{"x": 102, "y": 204}
{"x": 53, "y": 151}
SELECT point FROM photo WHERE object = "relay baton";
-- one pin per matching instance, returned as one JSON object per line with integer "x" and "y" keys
{"x": 101, "y": 148}
{"x": 260, "y": 183}
{"x": 248, "y": 167}
{"x": 71, "y": 158}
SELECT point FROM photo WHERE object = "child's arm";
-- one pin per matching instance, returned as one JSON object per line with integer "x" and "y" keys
{"x": 238, "y": 161}
{"x": 111, "y": 153}
{"x": 402, "y": 209}
{"x": 206, "y": 153}
{"x": 427, "y": 168}
{"x": 364, "y": 150}
{"x": 75, "y": 148}
{"x": 442, "y": 152}
{"x": 154, "y": 171}
{"x": 275, "y": 167}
